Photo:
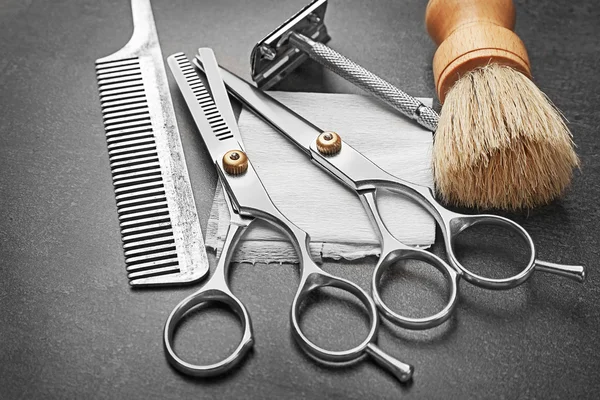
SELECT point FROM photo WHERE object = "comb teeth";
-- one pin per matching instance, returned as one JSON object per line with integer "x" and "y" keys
{"x": 142, "y": 205}
{"x": 204, "y": 98}
{"x": 160, "y": 229}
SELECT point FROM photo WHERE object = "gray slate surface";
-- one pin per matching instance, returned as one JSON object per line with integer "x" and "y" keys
{"x": 70, "y": 327}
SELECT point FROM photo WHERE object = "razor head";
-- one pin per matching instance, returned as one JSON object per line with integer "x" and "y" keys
{"x": 273, "y": 58}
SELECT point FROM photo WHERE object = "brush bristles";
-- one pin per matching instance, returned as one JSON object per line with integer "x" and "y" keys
{"x": 501, "y": 143}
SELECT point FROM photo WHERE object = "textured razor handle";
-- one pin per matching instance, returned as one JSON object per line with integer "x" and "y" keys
{"x": 367, "y": 81}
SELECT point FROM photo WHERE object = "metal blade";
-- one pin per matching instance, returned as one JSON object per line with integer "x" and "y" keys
{"x": 218, "y": 91}
{"x": 297, "y": 129}
{"x": 219, "y": 135}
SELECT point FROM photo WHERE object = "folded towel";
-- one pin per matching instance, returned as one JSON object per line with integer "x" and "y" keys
{"x": 332, "y": 215}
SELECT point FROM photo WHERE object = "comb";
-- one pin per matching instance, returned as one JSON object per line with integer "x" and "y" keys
{"x": 160, "y": 229}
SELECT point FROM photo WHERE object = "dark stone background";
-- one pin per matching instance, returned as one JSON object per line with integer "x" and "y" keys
{"x": 70, "y": 326}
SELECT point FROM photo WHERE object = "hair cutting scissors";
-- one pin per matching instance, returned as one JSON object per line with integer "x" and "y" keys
{"x": 248, "y": 198}
{"x": 356, "y": 171}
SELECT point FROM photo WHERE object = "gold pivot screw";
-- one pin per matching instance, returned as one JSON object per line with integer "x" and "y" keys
{"x": 235, "y": 162}
{"x": 329, "y": 143}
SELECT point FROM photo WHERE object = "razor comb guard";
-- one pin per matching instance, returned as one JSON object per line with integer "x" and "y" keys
{"x": 160, "y": 229}
{"x": 271, "y": 61}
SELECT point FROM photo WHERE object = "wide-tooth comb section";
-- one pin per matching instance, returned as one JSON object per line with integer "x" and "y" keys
{"x": 160, "y": 230}
{"x": 205, "y": 100}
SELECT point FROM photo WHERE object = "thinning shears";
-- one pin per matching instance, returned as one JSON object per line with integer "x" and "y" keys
{"x": 327, "y": 150}
{"x": 248, "y": 200}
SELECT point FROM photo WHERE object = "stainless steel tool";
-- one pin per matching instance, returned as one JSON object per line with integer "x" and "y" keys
{"x": 161, "y": 234}
{"x": 249, "y": 199}
{"x": 303, "y": 36}
{"x": 328, "y": 151}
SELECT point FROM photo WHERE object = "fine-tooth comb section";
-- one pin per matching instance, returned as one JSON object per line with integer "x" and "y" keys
{"x": 132, "y": 149}
{"x": 204, "y": 98}
{"x": 160, "y": 230}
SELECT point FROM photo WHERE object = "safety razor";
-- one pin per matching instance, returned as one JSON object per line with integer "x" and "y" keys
{"x": 304, "y": 36}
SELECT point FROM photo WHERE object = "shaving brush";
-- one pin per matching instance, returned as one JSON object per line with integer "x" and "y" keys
{"x": 500, "y": 142}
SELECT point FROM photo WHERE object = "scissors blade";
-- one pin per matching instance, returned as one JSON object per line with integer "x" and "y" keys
{"x": 218, "y": 91}
{"x": 297, "y": 129}
{"x": 213, "y": 115}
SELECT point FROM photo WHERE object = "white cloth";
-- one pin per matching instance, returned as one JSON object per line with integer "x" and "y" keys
{"x": 312, "y": 199}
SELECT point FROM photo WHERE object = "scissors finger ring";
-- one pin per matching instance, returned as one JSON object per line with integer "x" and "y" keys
{"x": 216, "y": 290}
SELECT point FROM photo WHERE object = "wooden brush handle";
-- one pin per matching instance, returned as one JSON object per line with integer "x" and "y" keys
{"x": 471, "y": 34}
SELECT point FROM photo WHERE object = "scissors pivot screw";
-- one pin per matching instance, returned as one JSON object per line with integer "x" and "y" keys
{"x": 235, "y": 162}
{"x": 329, "y": 143}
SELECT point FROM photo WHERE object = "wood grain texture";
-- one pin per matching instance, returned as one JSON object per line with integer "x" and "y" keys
{"x": 471, "y": 34}
{"x": 312, "y": 199}
{"x": 443, "y": 17}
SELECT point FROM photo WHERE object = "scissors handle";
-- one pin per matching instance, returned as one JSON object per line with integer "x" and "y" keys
{"x": 314, "y": 278}
{"x": 216, "y": 290}
{"x": 394, "y": 251}
{"x": 453, "y": 224}
{"x": 400, "y": 253}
